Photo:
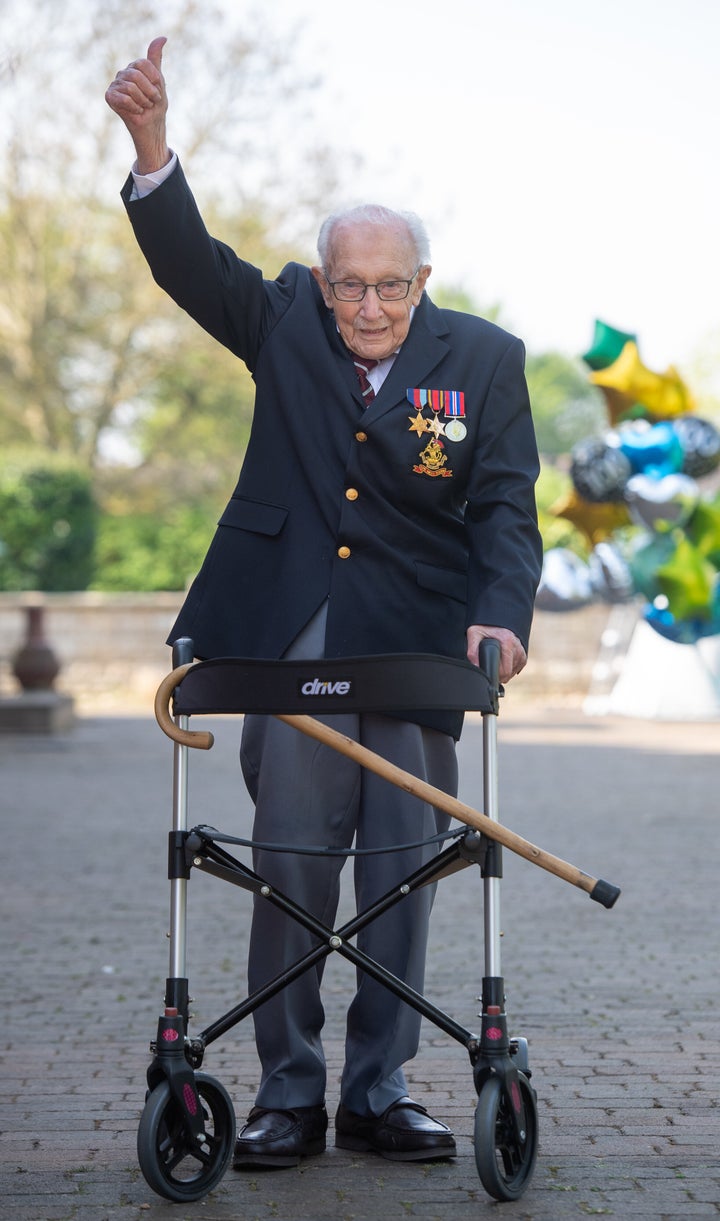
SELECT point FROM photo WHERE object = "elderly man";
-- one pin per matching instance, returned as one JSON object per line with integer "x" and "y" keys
{"x": 385, "y": 505}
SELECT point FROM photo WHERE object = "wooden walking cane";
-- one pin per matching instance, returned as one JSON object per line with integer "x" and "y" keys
{"x": 599, "y": 890}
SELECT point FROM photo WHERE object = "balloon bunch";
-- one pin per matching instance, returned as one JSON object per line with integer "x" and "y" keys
{"x": 636, "y": 498}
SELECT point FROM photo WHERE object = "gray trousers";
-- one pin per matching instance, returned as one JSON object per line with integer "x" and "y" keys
{"x": 307, "y": 793}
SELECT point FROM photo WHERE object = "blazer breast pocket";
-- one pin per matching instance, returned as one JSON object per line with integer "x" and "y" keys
{"x": 254, "y": 515}
{"x": 447, "y": 581}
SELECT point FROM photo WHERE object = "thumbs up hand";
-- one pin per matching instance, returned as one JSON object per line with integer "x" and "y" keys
{"x": 138, "y": 96}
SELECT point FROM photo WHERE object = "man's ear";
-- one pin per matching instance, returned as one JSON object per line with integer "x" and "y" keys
{"x": 420, "y": 282}
{"x": 319, "y": 275}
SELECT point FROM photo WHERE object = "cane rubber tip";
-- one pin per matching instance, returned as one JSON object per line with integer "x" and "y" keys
{"x": 605, "y": 893}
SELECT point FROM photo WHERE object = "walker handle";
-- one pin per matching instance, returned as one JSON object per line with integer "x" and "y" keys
{"x": 489, "y": 660}
{"x": 183, "y": 651}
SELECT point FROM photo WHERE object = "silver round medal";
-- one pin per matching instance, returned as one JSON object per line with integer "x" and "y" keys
{"x": 455, "y": 430}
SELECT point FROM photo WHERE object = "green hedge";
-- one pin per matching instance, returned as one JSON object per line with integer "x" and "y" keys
{"x": 48, "y": 523}
{"x": 142, "y": 552}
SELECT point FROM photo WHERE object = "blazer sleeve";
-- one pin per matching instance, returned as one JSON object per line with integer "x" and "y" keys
{"x": 224, "y": 294}
{"x": 505, "y": 548}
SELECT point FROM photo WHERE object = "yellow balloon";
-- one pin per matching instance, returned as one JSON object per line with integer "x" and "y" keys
{"x": 664, "y": 394}
{"x": 596, "y": 521}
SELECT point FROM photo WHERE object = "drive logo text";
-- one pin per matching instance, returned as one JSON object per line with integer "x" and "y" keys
{"x": 319, "y": 686}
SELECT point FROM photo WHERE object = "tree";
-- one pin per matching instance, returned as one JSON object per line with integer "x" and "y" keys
{"x": 565, "y": 405}
{"x": 48, "y": 522}
{"x": 454, "y": 296}
{"x": 89, "y": 347}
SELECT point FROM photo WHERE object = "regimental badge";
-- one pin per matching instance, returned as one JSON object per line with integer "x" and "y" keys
{"x": 432, "y": 461}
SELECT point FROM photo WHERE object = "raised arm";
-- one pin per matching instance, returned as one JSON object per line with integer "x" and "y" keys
{"x": 138, "y": 96}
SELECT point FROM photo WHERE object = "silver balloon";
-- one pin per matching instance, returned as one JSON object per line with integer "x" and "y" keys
{"x": 565, "y": 582}
{"x": 599, "y": 469}
{"x": 701, "y": 445}
{"x": 661, "y": 504}
{"x": 610, "y": 574}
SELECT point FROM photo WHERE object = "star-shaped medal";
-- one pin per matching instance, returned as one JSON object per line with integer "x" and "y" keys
{"x": 419, "y": 424}
{"x": 436, "y": 427}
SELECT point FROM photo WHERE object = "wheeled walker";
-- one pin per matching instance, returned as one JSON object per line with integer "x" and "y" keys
{"x": 187, "y": 1130}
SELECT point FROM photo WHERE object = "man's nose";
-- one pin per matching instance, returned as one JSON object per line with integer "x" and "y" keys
{"x": 371, "y": 306}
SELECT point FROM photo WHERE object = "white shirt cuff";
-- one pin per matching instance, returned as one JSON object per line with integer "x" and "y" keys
{"x": 146, "y": 183}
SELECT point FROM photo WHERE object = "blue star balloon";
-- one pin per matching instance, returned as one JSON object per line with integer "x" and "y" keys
{"x": 652, "y": 450}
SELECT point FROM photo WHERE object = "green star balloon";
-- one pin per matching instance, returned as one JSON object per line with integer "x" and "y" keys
{"x": 645, "y": 560}
{"x": 703, "y": 529}
{"x": 687, "y": 580}
{"x": 606, "y": 346}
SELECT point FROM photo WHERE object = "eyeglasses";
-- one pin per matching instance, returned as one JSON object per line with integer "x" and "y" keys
{"x": 387, "y": 290}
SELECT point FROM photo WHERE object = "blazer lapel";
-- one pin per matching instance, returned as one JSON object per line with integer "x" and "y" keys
{"x": 424, "y": 349}
{"x": 342, "y": 358}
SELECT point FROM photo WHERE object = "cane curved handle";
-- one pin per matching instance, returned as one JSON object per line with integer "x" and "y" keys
{"x": 200, "y": 739}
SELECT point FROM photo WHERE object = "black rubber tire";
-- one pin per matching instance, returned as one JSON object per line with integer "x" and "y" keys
{"x": 173, "y": 1166}
{"x": 504, "y": 1164}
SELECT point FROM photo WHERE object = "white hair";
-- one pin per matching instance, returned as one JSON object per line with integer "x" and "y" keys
{"x": 374, "y": 214}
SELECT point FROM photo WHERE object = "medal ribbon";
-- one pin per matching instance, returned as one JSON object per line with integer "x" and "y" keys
{"x": 454, "y": 404}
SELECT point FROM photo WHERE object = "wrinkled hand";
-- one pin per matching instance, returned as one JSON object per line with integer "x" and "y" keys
{"x": 139, "y": 97}
{"x": 512, "y": 654}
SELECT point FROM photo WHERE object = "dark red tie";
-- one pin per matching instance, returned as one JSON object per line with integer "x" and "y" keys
{"x": 363, "y": 365}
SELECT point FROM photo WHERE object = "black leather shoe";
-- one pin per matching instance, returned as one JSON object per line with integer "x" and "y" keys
{"x": 280, "y": 1138}
{"x": 404, "y": 1133}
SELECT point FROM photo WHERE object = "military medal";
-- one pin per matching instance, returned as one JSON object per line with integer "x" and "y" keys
{"x": 418, "y": 424}
{"x": 451, "y": 403}
{"x": 455, "y": 430}
{"x": 454, "y": 403}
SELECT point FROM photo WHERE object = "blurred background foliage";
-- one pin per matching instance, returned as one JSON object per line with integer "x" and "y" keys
{"x": 49, "y": 523}
{"x": 122, "y": 426}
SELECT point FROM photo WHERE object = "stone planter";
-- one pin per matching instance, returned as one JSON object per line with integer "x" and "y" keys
{"x": 35, "y": 664}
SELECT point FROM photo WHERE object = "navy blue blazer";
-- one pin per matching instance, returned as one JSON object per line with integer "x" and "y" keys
{"x": 410, "y": 541}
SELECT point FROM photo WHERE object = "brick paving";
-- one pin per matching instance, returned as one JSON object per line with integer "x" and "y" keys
{"x": 620, "y": 1007}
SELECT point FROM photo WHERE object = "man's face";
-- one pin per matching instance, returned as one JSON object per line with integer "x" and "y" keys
{"x": 372, "y": 254}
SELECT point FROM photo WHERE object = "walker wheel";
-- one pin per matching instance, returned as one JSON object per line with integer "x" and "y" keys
{"x": 505, "y": 1165}
{"x": 172, "y": 1163}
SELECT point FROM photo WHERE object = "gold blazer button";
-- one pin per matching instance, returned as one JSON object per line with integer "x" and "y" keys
{"x": 352, "y": 494}
{"x": 361, "y": 436}
{"x": 343, "y": 552}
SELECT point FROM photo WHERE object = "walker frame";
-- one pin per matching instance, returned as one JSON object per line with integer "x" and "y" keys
{"x": 187, "y": 1130}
